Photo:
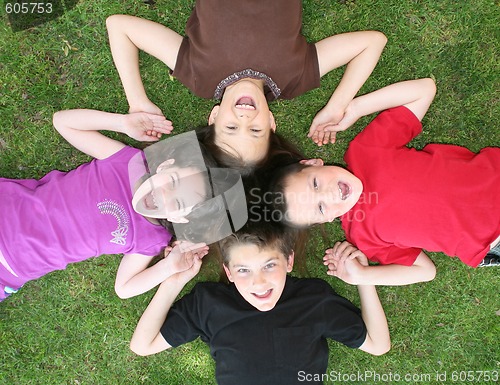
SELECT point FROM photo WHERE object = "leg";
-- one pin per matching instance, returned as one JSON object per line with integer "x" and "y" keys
{"x": 360, "y": 51}
{"x": 128, "y": 34}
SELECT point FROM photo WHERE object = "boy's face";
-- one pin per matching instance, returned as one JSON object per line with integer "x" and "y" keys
{"x": 259, "y": 275}
{"x": 171, "y": 193}
{"x": 243, "y": 122}
{"x": 319, "y": 194}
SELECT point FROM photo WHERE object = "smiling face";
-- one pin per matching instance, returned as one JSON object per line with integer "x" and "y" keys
{"x": 243, "y": 121}
{"x": 319, "y": 194}
{"x": 258, "y": 274}
{"x": 171, "y": 193}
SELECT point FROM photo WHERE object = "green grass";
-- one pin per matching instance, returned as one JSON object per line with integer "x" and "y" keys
{"x": 70, "y": 328}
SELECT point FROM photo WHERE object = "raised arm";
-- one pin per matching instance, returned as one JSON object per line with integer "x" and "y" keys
{"x": 147, "y": 338}
{"x": 342, "y": 263}
{"x": 135, "y": 276}
{"x": 378, "y": 340}
{"x": 81, "y": 129}
{"x": 416, "y": 95}
{"x": 360, "y": 51}
{"x": 128, "y": 35}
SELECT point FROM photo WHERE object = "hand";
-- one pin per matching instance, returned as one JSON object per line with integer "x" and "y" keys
{"x": 146, "y": 127}
{"x": 184, "y": 259}
{"x": 324, "y": 125}
{"x": 345, "y": 262}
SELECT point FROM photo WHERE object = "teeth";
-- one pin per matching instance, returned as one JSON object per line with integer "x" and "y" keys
{"x": 246, "y": 106}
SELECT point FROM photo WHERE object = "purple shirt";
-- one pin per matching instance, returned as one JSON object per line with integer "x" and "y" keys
{"x": 68, "y": 217}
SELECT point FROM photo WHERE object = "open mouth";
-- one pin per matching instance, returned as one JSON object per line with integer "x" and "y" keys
{"x": 263, "y": 295}
{"x": 246, "y": 103}
{"x": 344, "y": 190}
{"x": 150, "y": 202}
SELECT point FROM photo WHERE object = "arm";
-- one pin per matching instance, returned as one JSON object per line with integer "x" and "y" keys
{"x": 416, "y": 95}
{"x": 128, "y": 35}
{"x": 378, "y": 340}
{"x": 342, "y": 263}
{"x": 134, "y": 277}
{"x": 147, "y": 338}
{"x": 81, "y": 129}
{"x": 360, "y": 51}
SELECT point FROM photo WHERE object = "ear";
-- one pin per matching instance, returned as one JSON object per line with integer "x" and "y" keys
{"x": 291, "y": 259}
{"x": 213, "y": 114}
{"x": 228, "y": 273}
{"x": 165, "y": 165}
{"x": 272, "y": 121}
{"x": 312, "y": 162}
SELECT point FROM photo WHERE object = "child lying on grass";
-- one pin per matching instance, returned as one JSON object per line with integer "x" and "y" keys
{"x": 265, "y": 327}
{"x": 395, "y": 201}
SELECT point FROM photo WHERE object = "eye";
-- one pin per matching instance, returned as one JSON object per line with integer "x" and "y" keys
{"x": 242, "y": 270}
{"x": 231, "y": 127}
{"x": 321, "y": 209}
{"x": 255, "y": 130}
{"x": 172, "y": 182}
{"x": 270, "y": 266}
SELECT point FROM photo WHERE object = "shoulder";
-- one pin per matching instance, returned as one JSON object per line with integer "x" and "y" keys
{"x": 391, "y": 129}
{"x": 308, "y": 286}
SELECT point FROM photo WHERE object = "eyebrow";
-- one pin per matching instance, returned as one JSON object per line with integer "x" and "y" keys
{"x": 265, "y": 263}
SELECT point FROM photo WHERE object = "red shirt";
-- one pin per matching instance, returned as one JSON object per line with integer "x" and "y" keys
{"x": 443, "y": 198}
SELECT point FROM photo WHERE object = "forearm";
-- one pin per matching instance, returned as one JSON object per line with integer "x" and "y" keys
{"x": 147, "y": 338}
{"x": 395, "y": 275}
{"x": 126, "y": 58}
{"x": 357, "y": 72}
{"x": 375, "y": 321}
{"x": 404, "y": 93}
{"x": 143, "y": 281}
{"x": 87, "y": 120}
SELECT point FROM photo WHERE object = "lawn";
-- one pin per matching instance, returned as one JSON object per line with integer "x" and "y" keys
{"x": 69, "y": 327}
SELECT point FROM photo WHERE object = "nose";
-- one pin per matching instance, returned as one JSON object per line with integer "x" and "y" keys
{"x": 258, "y": 279}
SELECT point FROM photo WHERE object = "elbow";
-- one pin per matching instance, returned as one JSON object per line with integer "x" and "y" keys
{"x": 57, "y": 119}
{"x": 429, "y": 85}
{"x": 139, "y": 349}
{"x": 122, "y": 292}
{"x": 429, "y": 273}
{"x": 113, "y": 22}
{"x": 382, "y": 348}
{"x": 380, "y": 39}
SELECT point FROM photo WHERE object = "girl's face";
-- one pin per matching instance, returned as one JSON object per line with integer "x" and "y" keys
{"x": 319, "y": 194}
{"x": 171, "y": 193}
{"x": 259, "y": 275}
{"x": 243, "y": 122}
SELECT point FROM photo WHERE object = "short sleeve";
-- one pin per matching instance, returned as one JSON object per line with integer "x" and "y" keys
{"x": 184, "y": 323}
{"x": 343, "y": 320}
{"x": 393, "y": 255}
{"x": 394, "y": 128}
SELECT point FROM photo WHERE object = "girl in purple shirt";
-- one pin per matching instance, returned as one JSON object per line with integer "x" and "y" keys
{"x": 99, "y": 208}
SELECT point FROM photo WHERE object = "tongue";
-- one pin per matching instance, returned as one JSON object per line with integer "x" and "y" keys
{"x": 245, "y": 100}
{"x": 344, "y": 188}
{"x": 149, "y": 202}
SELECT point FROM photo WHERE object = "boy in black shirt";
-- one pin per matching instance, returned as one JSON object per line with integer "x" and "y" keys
{"x": 264, "y": 327}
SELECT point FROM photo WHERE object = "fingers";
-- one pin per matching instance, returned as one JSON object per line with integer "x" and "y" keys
{"x": 186, "y": 246}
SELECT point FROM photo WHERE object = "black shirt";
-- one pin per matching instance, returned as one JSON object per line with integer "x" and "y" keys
{"x": 254, "y": 347}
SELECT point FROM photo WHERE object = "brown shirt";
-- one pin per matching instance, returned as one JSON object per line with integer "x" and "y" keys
{"x": 225, "y": 37}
